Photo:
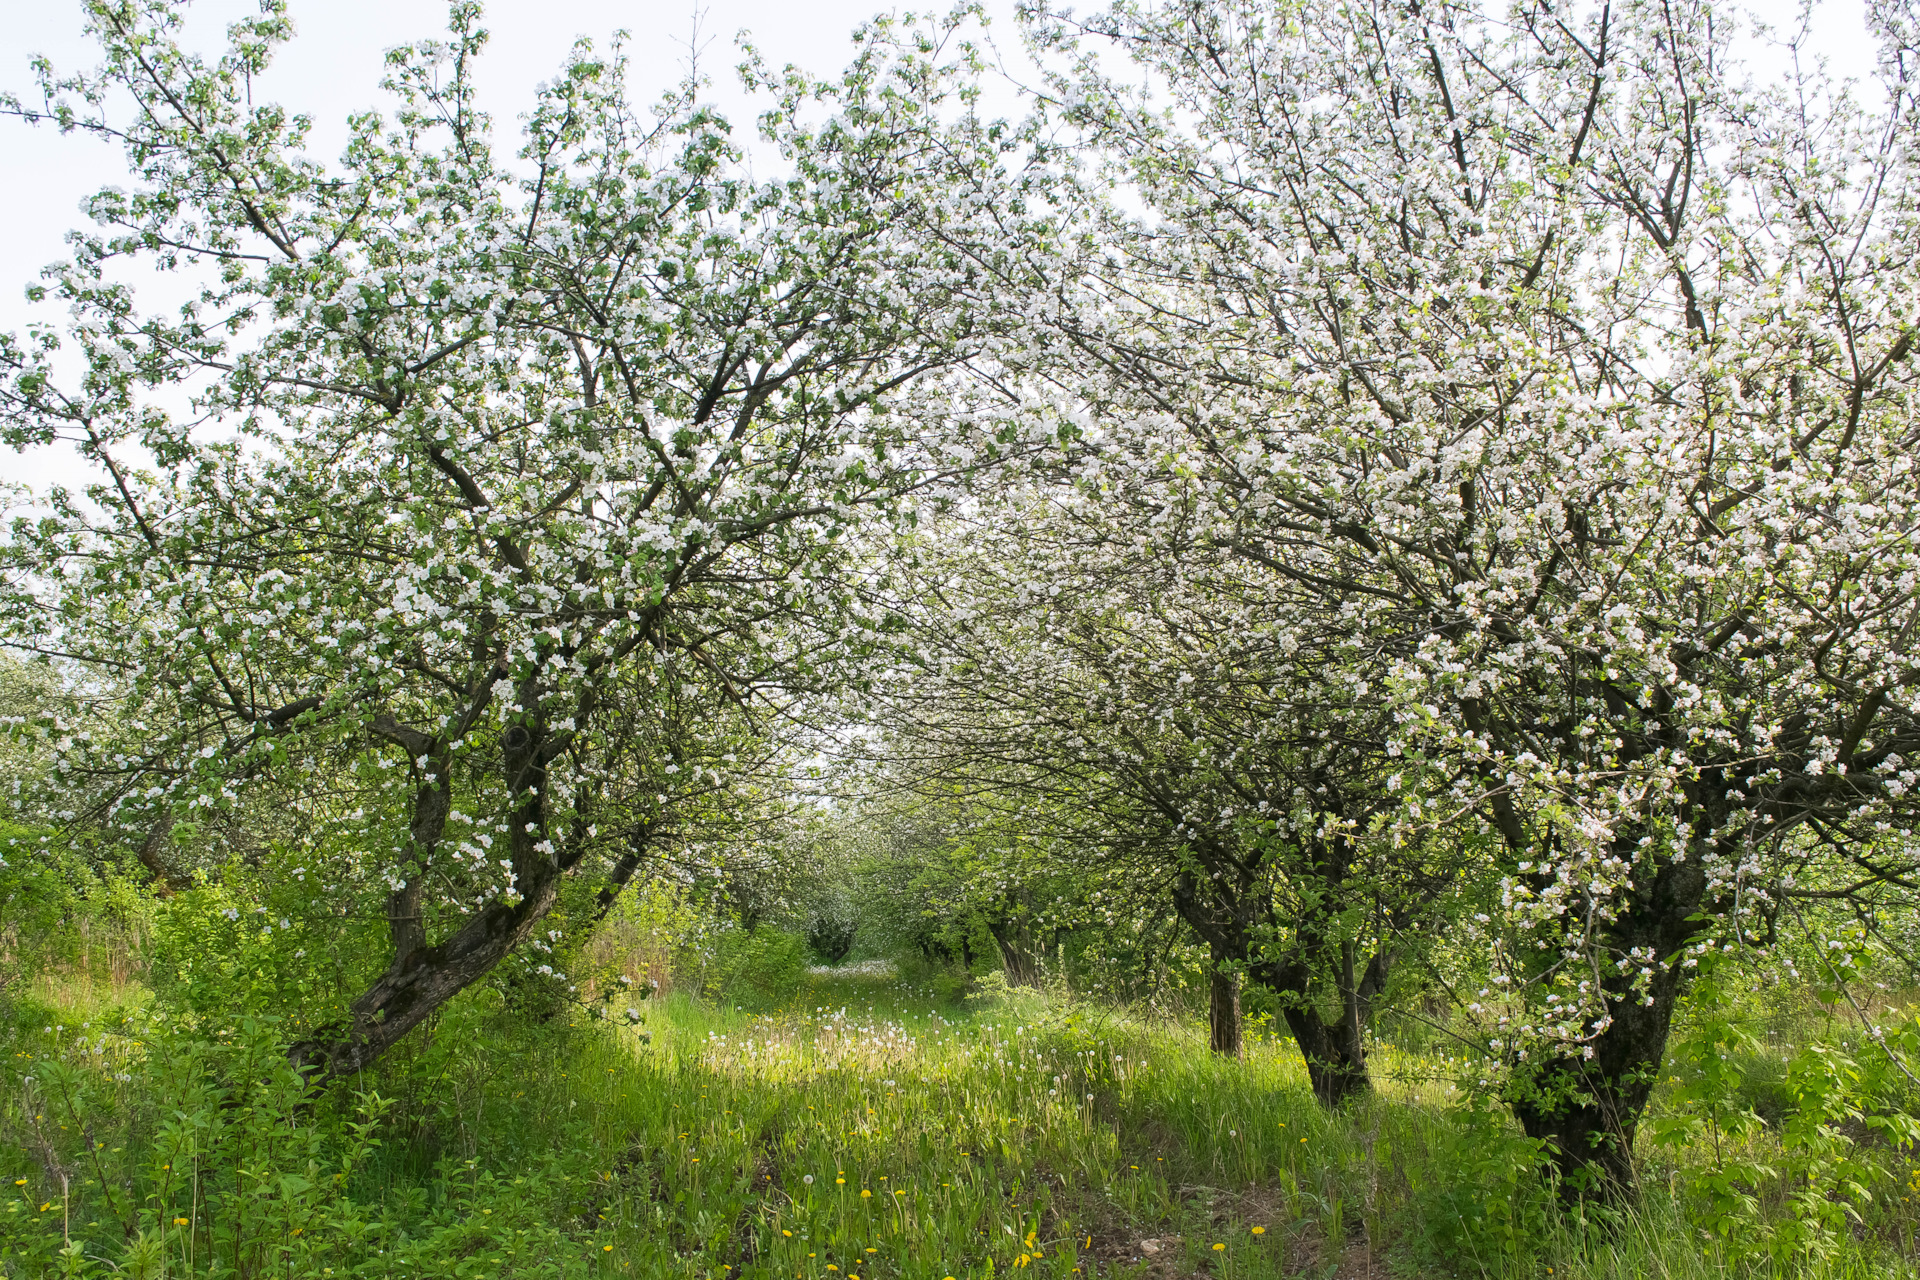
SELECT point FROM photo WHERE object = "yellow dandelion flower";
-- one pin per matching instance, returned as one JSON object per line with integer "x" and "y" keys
{"x": 180, "y": 1222}
{"x": 1219, "y": 1248}
{"x": 606, "y": 1248}
{"x": 1259, "y": 1231}
{"x": 865, "y": 1194}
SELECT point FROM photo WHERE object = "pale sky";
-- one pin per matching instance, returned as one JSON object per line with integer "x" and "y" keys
{"x": 333, "y": 66}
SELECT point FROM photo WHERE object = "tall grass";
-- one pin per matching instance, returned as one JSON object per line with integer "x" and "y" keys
{"x": 864, "y": 1129}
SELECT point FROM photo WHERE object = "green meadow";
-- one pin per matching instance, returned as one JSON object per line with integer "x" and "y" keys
{"x": 861, "y": 1127}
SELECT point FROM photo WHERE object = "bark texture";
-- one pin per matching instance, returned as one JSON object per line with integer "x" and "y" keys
{"x": 1223, "y": 1013}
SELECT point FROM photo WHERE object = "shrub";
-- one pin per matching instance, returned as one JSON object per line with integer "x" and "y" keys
{"x": 764, "y": 964}
{"x": 204, "y": 1149}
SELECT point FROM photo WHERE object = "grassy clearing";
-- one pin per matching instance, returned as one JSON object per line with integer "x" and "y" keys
{"x": 862, "y": 1130}
{"x": 865, "y": 1130}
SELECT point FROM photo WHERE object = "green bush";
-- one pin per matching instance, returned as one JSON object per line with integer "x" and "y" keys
{"x": 236, "y": 944}
{"x": 762, "y": 965}
{"x": 166, "y": 1148}
{"x": 65, "y": 913}
{"x": 1487, "y": 1200}
{"x": 37, "y": 906}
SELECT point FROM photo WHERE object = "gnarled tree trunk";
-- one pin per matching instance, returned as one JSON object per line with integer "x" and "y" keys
{"x": 1588, "y": 1108}
{"x": 1016, "y": 951}
{"x": 422, "y": 976}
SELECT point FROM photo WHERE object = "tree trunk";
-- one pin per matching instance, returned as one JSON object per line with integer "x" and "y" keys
{"x": 1016, "y": 952}
{"x": 1588, "y": 1108}
{"x": 421, "y": 976}
{"x": 1336, "y": 1066}
{"x": 419, "y": 983}
{"x": 1335, "y": 1051}
{"x": 1223, "y": 1012}
{"x": 1219, "y": 918}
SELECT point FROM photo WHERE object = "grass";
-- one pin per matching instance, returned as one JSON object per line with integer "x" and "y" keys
{"x": 863, "y": 1131}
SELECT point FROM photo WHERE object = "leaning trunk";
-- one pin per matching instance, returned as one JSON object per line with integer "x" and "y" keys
{"x": 419, "y": 983}
{"x": 1224, "y": 912}
{"x": 1335, "y": 1050}
{"x": 421, "y": 976}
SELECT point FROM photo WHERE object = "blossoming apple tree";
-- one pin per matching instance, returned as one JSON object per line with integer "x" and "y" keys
{"x": 475, "y": 505}
{"x": 1542, "y": 346}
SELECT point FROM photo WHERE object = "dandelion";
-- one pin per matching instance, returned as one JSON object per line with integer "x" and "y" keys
{"x": 180, "y": 1222}
{"x": 606, "y": 1248}
{"x": 1259, "y": 1231}
{"x": 865, "y": 1194}
{"x": 808, "y": 1179}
